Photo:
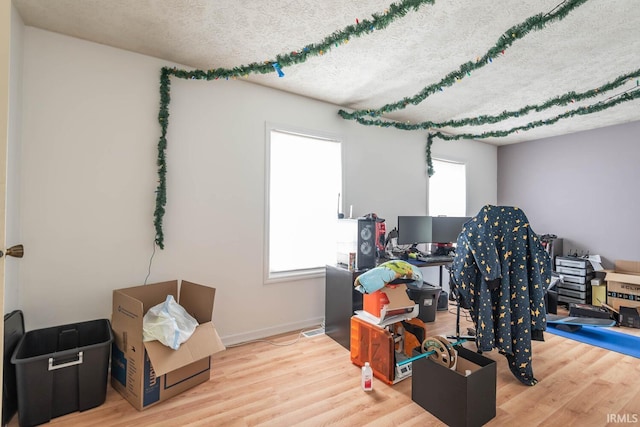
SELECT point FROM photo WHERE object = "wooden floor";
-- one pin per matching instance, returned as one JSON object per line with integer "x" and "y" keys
{"x": 311, "y": 382}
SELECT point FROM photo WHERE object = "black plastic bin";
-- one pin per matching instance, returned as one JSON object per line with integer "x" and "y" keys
{"x": 62, "y": 369}
{"x": 13, "y": 332}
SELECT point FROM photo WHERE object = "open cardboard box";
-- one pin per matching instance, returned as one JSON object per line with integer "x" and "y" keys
{"x": 146, "y": 373}
{"x": 623, "y": 284}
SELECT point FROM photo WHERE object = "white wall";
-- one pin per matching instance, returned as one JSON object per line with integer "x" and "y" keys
{"x": 13, "y": 237}
{"x": 89, "y": 176}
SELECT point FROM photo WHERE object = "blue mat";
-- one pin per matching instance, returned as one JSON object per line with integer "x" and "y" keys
{"x": 603, "y": 337}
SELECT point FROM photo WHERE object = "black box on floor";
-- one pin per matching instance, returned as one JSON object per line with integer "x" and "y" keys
{"x": 62, "y": 369}
{"x": 588, "y": 310}
{"x": 427, "y": 299}
{"x": 455, "y": 398}
{"x": 630, "y": 316}
{"x": 551, "y": 301}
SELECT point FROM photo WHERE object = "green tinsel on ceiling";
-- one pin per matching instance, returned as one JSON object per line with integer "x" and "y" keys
{"x": 533, "y": 23}
{"x": 562, "y": 100}
{"x": 589, "y": 109}
{"x": 366, "y": 26}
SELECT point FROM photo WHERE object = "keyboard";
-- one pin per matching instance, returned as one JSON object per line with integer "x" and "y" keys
{"x": 435, "y": 258}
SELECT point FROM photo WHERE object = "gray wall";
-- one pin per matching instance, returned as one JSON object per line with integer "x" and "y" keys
{"x": 582, "y": 187}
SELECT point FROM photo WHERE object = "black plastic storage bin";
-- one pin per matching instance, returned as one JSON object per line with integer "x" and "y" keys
{"x": 62, "y": 369}
{"x": 427, "y": 299}
{"x": 13, "y": 332}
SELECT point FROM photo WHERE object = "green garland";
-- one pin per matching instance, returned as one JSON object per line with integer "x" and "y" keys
{"x": 626, "y": 96}
{"x": 366, "y": 26}
{"x": 430, "y": 169}
{"x": 533, "y": 23}
{"x": 561, "y": 100}
{"x": 363, "y": 27}
{"x": 161, "y": 191}
{"x": 589, "y": 109}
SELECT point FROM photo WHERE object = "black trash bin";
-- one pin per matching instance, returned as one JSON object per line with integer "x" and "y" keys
{"x": 427, "y": 299}
{"x": 13, "y": 332}
{"x": 62, "y": 369}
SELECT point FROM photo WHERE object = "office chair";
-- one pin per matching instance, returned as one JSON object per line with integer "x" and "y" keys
{"x": 459, "y": 303}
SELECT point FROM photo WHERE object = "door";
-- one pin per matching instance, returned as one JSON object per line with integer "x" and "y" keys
{"x": 5, "y": 42}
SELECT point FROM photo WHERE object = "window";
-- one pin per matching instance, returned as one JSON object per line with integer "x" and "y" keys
{"x": 304, "y": 180}
{"x": 448, "y": 189}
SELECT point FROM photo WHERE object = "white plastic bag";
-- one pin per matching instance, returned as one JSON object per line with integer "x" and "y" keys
{"x": 168, "y": 323}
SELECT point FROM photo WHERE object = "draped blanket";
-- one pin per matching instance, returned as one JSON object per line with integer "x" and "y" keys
{"x": 501, "y": 272}
{"x": 390, "y": 272}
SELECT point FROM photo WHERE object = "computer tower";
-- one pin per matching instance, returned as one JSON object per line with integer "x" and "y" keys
{"x": 357, "y": 239}
{"x": 366, "y": 254}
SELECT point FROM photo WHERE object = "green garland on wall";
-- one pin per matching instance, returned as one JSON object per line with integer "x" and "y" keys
{"x": 161, "y": 190}
{"x": 533, "y": 23}
{"x": 567, "y": 98}
{"x": 429, "y": 160}
{"x": 364, "y": 27}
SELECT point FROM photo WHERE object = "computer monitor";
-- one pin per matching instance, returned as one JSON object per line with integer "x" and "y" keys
{"x": 414, "y": 230}
{"x": 445, "y": 229}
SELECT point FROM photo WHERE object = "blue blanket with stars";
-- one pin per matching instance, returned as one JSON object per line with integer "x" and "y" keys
{"x": 501, "y": 272}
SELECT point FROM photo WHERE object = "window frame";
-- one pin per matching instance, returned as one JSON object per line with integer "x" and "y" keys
{"x": 306, "y": 273}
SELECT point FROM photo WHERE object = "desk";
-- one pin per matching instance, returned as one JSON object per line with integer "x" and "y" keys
{"x": 342, "y": 299}
{"x": 439, "y": 263}
{"x": 340, "y": 302}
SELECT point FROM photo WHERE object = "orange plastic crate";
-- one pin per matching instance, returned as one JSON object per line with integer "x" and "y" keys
{"x": 373, "y": 344}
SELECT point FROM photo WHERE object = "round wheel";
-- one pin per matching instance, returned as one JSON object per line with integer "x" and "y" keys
{"x": 440, "y": 353}
{"x": 450, "y": 349}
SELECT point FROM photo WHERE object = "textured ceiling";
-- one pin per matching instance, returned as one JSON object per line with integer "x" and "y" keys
{"x": 593, "y": 45}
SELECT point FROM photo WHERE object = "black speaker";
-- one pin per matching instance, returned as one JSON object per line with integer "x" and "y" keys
{"x": 443, "y": 301}
{"x": 366, "y": 254}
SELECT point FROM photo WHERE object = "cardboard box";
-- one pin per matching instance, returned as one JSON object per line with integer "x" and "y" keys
{"x": 389, "y": 305}
{"x": 146, "y": 373}
{"x": 623, "y": 284}
{"x": 598, "y": 294}
{"x": 455, "y": 398}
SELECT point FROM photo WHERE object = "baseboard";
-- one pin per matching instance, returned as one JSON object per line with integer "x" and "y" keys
{"x": 229, "y": 340}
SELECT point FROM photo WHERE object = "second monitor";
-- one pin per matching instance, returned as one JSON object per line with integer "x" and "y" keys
{"x": 429, "y": 229}
{"x": 445, "y": 229}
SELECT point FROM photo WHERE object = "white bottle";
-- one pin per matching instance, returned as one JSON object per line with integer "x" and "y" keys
{"x": 367, "y": 377}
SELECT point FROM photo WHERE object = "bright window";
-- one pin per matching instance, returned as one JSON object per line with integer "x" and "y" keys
{"x": 304, "y": 179}
{"x": 448, "y": 189}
